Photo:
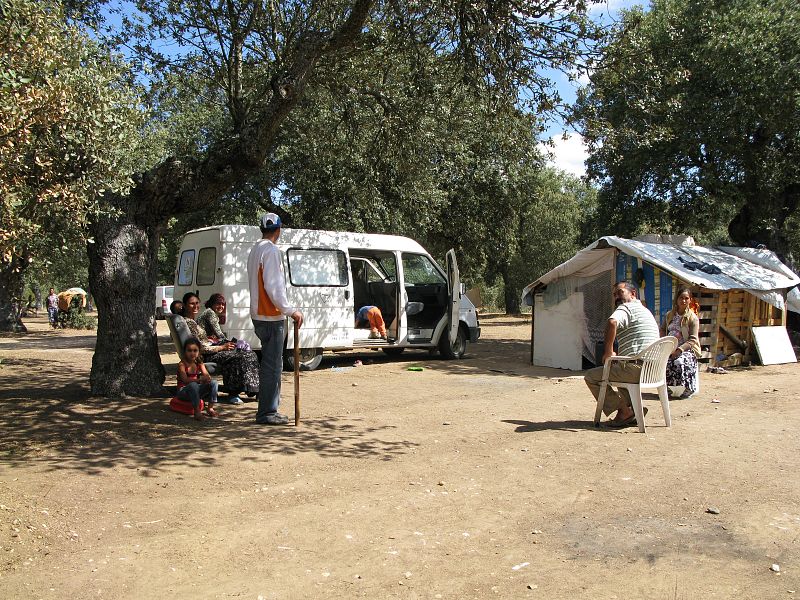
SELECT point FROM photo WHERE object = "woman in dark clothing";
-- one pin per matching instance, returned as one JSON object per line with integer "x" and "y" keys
{"x": 239, "y": 367}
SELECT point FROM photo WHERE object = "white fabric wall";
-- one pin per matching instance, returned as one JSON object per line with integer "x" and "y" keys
{"x": 558, "y": 332}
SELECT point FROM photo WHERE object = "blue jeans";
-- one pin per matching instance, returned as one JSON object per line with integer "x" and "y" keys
{"x": 193, "y": 391}
{"x": 52, "y": 313}
{"x": 272, "y": 335}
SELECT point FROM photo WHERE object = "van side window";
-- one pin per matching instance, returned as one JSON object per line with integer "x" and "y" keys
{"x": 387, "y": 263}
{"x": 313, "y": 267}
{"x": 186, "y": 267}
{"x": 418, "y": 269}
{"x": 206, "y": 266}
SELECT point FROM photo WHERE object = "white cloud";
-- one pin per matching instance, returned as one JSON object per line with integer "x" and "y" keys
{"x": 568, "y": 154}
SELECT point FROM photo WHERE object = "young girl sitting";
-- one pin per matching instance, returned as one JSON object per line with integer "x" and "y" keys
{"x": 194, "y": 381}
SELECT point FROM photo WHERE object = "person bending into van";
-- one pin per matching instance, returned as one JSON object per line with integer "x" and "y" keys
{"x": 370, "y": 316}
{"x": 269, "y": 308}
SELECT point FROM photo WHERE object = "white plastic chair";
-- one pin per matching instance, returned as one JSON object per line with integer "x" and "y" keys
{"x": 653, "y": 376}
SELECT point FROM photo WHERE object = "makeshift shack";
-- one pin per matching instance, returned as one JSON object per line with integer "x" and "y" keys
{"x": 737, "y": 289}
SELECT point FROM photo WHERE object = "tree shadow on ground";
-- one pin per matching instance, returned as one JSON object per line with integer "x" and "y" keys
{"x": 48, "y": 340}
{"x": 493, "y": 357}
{"x": 59, "y": 426}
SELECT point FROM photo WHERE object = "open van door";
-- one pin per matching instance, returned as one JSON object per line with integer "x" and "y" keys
{"x": 454, "y": 288}
{"x": 453, "y": 343}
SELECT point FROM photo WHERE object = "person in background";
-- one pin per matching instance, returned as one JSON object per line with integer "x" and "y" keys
{"x": 370, "y": 316}
{"x": 176, "y": 307}
{"x": 634, "y": 328}
{"x": 683, "y": 323}
{"x": 52, "y": 307}
{"x": 269, "y": 308}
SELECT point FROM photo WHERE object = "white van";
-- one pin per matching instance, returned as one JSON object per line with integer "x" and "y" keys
{"x": 163, "y": 300}
{"x": 329, "y": 276}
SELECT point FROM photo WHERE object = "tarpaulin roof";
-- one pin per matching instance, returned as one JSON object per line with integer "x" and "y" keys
{"x": 758, "y": 271}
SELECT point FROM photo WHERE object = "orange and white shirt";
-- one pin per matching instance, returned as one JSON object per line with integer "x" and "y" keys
{"x": 268, "y": 300}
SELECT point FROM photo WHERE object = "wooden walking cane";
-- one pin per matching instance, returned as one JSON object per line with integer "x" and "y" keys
{"x": 296, "y": 374}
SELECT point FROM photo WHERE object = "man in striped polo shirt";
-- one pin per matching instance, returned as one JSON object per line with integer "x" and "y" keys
{"x": 634, "y": 328}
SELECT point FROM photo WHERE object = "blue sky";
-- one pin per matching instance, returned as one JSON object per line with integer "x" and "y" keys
{"x": 569, "y": 154}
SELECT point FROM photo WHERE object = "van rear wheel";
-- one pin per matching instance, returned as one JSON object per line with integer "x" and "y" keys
{"x": 454, "y": 349}
{"x": 310, "y": 359}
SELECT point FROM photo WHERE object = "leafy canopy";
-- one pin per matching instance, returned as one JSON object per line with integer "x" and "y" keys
{"x": 69, "y": 130}
{"x": 693, "y": 120}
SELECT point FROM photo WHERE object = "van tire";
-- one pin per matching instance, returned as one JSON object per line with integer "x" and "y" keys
{"x": 310, "y": 359}
{"x": 456, "y": 349}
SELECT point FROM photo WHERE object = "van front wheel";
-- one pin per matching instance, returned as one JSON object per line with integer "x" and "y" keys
{"x": 310, "y": 359}
{"x": 454, "y": 349}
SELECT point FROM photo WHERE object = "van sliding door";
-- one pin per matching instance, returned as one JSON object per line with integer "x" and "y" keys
{"x": 318, "y": 284}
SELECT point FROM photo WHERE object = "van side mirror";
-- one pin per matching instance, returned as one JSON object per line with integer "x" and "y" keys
{"x": 462, "y": 288}
{"x": 414, "y": 308}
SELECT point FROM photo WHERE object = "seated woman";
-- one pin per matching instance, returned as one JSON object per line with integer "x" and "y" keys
{"x": 211, "y": 318}
{"x": 239, "y": 367}
{"x": 683, "y": 323}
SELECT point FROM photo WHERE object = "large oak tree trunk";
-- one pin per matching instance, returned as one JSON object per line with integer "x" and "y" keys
{"x": 11, "y": 288}
{"x": 512, "y": 298}
{"x": 123, "y": 265}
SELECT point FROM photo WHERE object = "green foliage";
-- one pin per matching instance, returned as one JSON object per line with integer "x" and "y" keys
{"x": 693, "y": 121}
{"x": 68, "y": 135}
{"x": 76, "y": 318}
{"x": 404, "y": 139}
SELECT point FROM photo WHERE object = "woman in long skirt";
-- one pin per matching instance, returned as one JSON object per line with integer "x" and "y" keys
{"x": 683, "y": 323}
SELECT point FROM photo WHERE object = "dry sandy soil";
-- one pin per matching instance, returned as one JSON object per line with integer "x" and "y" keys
{"x": 482, "y": 478}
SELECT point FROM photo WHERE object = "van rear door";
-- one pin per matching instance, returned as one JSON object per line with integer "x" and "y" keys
{"x": 197, "y": 264}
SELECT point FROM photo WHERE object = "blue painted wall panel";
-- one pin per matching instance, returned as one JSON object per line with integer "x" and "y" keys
{"x": 665, "y": 285}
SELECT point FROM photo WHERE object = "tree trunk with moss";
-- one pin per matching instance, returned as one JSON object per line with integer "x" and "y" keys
{"x": 11, "y": 288}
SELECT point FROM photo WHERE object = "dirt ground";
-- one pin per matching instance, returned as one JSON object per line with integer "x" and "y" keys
{"x": 482, "y": 478}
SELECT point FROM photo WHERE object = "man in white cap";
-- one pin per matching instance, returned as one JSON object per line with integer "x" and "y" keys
{"x": 268, "y": 310}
